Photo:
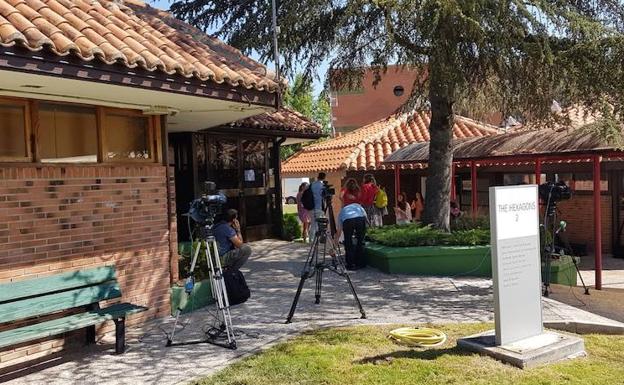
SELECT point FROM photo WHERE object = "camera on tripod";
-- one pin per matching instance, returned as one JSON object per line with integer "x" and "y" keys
{"x": 551, "y": 193}
{"x": 328, "y": 189}
{"x": 205, "y": 209}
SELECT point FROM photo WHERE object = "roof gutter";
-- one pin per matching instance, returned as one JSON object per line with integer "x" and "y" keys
{"x": 20, "y": 59}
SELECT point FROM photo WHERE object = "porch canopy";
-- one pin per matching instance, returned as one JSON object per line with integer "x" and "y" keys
{"x": 524, "y": 147}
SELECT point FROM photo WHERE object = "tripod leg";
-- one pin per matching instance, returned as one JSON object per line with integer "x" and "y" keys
{"x": 305, "y": 274}
{"x": 578, "y": 271}
{"x": 212, "y": 254}
{"x": 293, "y": 307}
{"x": 355, "y": 296}
{"x": 319, "y": 284}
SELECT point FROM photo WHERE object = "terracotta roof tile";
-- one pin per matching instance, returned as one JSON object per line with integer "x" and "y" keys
{"x": 367, "y": 147}
{"x": 129, "y": 32}
{"x": 282, "y": 120}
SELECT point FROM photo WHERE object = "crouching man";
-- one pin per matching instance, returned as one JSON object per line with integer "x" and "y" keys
{"x": 233, "y": 252}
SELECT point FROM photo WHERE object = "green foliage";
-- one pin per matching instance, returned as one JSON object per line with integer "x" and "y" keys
{"x": 364, "y": 355}
{"x": 467, "y": 222}
{"x": 298, "y": 96}
{"x": 513, "y": 57}
{"x": 184, "y": 263}
{"x": 419, "y": 235}
{"x": 292, "y": 228}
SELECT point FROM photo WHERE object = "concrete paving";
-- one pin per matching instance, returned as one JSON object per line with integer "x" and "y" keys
{"x": 273, "y": 275}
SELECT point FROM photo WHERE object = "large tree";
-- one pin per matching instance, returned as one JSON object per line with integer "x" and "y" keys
{"x": 515, "y": 56}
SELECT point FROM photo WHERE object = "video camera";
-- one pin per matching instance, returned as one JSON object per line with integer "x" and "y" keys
{"x": 328, "y": 189}
{"x": 204, "y": 209}
{"x": 551, "y": 193}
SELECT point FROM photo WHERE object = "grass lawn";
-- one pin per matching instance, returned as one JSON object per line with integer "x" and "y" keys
{"x": 364, "y": 356}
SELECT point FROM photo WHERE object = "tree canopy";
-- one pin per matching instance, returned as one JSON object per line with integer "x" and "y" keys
{"x": 513, "y": 56}
{"x": 299, "y": 97}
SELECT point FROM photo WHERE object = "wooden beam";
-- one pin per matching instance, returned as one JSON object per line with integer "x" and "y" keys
{"x": 473, "y": 188}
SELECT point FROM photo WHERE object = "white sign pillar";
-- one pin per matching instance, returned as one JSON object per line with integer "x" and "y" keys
{"x": 516, "y": 265}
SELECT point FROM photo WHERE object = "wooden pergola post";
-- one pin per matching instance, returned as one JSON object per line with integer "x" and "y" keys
{"x": 538, "y": 170}
{"x": 597, "y": 223}
{"x": 453, "y": 187}
{"x": 397, "y": 182}
{"x": 473, "y": 188}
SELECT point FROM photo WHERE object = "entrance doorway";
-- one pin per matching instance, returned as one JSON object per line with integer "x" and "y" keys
{"x": 243, "y": 167}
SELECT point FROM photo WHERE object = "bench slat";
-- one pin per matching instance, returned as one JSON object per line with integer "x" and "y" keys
{"x": 66, "y": 324}
{"x": 46, "y": 304}
{"x": 58, "y": 282}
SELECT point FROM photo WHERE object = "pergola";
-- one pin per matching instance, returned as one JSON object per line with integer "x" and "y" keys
{"x": 521, "y": 148}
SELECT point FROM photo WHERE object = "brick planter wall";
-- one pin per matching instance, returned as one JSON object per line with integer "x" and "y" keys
{"x": 64, "y": 218}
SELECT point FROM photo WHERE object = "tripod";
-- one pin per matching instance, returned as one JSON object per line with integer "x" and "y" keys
{"x": 225, "y": 330}
{"x": 552, "y": 228}
{"x": 316, "y": 264}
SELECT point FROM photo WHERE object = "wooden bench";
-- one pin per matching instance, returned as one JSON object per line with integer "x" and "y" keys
{"x": 81, "y": 291}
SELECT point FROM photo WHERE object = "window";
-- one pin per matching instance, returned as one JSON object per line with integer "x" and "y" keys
{"x": 127, "y": 137}
{"x": 67, "y": 134}
{"x": 14, "y": 131}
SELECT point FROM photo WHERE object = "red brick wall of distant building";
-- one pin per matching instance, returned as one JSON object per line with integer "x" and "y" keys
{"x": 356, "y": 108}
{"x": 64, "y": 218}
{"x": 579, "y": 215}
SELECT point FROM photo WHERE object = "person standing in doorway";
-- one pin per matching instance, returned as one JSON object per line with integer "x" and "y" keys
{"x": 352, "y": 221}
{"x": 302, "y": 213}
{"x": 417, "y": 206}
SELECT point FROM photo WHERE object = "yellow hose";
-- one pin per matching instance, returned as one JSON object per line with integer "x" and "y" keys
{"x": 423, "y": 337}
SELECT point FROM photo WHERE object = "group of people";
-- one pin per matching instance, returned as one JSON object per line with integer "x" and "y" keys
{"x": 362, "y": 205}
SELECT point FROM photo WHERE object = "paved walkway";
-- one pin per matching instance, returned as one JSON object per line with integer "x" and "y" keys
{"x": 273, "y": 277}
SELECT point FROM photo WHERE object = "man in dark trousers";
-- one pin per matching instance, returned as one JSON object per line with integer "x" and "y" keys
{"x": 352, "y": 221}
{"x": 233, "y": 252}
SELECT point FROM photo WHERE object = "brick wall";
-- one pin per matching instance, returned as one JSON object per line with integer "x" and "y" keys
{"x": 64, "y": 218}
{"x": 579, "y": 213}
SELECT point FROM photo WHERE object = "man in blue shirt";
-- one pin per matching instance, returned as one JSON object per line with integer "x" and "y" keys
{"x": 317, "y": 192}
{"x": 352, "y": 221}
{"x": 233, "y": 252}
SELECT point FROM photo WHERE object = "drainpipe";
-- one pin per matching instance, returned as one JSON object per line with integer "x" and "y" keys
{"x": 173, "y": 253}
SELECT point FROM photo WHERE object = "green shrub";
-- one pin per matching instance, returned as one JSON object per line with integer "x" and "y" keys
{"x": 418, "y": 235}
{"x": 466, "y": 222}
{"x": 292, "y": 228}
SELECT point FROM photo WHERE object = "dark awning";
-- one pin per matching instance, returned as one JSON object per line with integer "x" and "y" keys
{"x": 514, "y": 144}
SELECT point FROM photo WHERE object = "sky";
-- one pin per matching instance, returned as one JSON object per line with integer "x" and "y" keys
{"x": 322, "y": 70}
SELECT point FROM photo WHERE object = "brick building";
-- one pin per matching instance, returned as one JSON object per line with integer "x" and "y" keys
{"x": 354, "y": 107}
{"x": 90, "y": 92}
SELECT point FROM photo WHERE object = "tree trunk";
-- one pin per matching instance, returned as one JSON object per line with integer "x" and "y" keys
{"x": 437, "y": 194}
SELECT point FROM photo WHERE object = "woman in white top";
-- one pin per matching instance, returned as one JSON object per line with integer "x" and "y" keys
{"x": 402, "y": 211}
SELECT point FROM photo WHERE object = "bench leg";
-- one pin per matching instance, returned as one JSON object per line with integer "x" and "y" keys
{"x": 90, "y": 335}
{"x": 120, "y": 335}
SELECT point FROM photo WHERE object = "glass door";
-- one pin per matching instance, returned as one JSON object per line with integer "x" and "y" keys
{"x": 239, "y": 167}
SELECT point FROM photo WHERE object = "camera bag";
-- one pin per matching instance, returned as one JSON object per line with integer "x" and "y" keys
{"x": 236, "y": 287}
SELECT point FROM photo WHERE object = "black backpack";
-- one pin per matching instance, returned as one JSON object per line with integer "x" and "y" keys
{"x": 236, "y": 287}
{"x": 307, "y": 199}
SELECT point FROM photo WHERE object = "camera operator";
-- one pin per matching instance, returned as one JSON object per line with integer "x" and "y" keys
{"x": 352, "y": 220}
{"x": 234, "y": 253}
{"x": 317, "y": 192}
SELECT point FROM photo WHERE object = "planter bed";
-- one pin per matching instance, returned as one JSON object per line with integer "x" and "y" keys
{"x": 431, "y": 260}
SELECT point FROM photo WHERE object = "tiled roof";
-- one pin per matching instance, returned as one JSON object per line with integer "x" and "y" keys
{"x": 367, "y": 147}
{"x": 513, "y": 144}
{"x": 127, "y": 32}
{"x": 282, "y": 120}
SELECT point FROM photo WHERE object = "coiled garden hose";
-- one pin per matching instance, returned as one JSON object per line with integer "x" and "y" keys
{"x": 423, "y": 337}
